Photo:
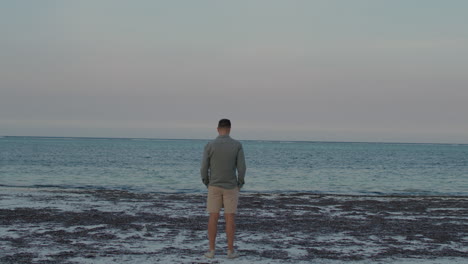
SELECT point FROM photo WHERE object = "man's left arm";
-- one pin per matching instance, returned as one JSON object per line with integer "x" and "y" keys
{"x": 205, "y": 166}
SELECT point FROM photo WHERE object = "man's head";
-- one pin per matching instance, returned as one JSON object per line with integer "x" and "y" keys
{"x": 224, "y": 127}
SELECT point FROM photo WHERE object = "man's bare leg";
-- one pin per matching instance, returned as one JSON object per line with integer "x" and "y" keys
{"x": 213, "y": 229}
{"x": 230, "y": 229}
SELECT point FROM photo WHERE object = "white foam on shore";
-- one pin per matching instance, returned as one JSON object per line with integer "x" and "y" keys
{"x": 141, "y": 244}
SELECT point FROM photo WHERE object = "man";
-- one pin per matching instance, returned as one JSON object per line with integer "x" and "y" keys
{"x": 221, "y": 158}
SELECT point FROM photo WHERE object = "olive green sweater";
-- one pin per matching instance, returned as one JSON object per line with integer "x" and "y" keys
{"x": 221, "y": 158}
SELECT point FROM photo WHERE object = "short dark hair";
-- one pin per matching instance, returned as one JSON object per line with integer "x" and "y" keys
{"x": 224, "y": 123}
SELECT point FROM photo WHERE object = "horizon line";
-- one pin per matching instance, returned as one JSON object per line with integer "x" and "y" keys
{"x": 274, "y": 140}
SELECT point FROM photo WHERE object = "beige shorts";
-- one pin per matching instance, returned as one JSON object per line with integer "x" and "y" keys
{"x": 219, "y": 197}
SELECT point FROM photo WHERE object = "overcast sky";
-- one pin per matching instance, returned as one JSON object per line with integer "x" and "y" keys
{"x": 361, "y": 70}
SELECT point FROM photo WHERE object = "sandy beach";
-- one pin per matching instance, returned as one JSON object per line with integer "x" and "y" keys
{"x": 109, "y": 226}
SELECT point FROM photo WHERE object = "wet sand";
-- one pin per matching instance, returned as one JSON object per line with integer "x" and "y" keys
{"x": 99, "y": 226}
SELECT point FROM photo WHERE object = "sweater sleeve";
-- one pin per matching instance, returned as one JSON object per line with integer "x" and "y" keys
{"x": 241, "y": 167}
{"x": 205, "y": 166}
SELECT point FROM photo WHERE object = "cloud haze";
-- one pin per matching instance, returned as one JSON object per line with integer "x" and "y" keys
{"x": 289, "y": 70}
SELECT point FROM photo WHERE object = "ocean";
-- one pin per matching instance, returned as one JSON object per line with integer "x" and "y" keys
{"x": 172, "y": 166}
{"x": 105, "y": 200}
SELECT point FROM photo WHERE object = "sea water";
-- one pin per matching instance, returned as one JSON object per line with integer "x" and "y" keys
{"x": 160, "y": 165}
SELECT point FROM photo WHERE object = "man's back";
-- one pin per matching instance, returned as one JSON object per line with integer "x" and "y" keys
{"x": 221, "y": 158}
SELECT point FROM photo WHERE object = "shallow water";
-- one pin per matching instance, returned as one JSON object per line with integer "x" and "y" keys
{"x": 155, "y": 165}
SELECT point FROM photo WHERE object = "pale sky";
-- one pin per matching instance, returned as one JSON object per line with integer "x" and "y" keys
{"x": 329, "y": 70}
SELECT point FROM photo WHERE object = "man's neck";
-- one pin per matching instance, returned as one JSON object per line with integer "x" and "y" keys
{"x": 224, "y": 131}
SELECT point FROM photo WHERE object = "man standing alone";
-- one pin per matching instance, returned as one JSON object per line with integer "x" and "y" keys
{"x": 221, "y": 158}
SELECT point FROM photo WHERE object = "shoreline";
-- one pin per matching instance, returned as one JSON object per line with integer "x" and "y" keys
{"x": 102, "y": 226}
{"x": 53, "y": 188}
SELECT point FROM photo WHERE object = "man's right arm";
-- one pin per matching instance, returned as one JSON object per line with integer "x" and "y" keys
{"x": 205, "y": 166}
{"x": 241, "y": 168}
